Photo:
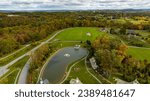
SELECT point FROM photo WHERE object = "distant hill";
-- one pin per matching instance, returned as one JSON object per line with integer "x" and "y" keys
{"x": 123, "y": 10}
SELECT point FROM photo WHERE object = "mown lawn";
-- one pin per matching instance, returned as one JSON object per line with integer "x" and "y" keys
{"x": 79, "y": 34}
{"x": 139, "y": 53}
{"x": 59, "y": 45}
{"x": 80, "y": 71}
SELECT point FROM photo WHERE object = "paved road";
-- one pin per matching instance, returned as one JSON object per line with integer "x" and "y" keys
{"x": 8, "y": 74}
{"x": 4, "y": 69}
{"x": 24, "y": 73}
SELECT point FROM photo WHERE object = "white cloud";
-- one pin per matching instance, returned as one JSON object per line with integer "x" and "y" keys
{"x": 72, "y": 4}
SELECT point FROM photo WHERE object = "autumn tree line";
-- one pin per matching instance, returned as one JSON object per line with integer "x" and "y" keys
{"x": 38, "y": 58}
{"x": 113, "y": 60}
{"x": 24, "y": 28}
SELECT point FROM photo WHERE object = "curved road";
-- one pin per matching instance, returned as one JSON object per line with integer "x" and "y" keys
{"x": 24, "y": 72}
{"x": 4, "y": 69}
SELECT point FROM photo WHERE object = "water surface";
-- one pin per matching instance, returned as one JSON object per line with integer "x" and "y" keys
{"x": 56, "y": 67}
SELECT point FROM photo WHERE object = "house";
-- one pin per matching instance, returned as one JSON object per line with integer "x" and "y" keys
{"x": 119, "y": 81}
{"x": 132, "y": 32}
{"x": 44, "y": 81}
{"x": 135, "y": 82}
{"x": 93, "y": 63}
{"x": 106, "y": 30}
{"x": 75, "y": 81}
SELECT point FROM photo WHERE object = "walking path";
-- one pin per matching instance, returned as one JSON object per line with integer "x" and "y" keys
{"x": 24, "y": 72}
{"x": 90, "y": 72}
{"x": 4, "y": 69}
{"x": 86, "y": 69}
{"x": 7, "y": 75}
{"x": 70, "y": 71}
{"x": 14, "y": 52}
{"x": 17, "y": 77}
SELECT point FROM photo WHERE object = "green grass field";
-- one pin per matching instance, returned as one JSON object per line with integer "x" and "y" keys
{"x": 139, "y": 53}
{"x": 79, "y": 34}
{"x": 80, "y": 71}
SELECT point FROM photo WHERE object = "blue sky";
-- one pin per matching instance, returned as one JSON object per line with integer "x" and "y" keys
{"x": 73, "y": 4}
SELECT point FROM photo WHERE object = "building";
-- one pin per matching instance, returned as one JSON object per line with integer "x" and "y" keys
{"x": 93, "y": 63}
{"x": 106, "y": 30}
{"x": 132, "y": 32}
{"x": 135, "y": 82}
{"x": 44, "y": 81}
{"x": 119, "y": 81}
{"x": 75, "y": 81}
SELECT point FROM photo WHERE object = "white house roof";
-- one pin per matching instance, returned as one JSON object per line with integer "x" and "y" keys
{"x": 75, "y": 81}
{"x": 93, "y": 63}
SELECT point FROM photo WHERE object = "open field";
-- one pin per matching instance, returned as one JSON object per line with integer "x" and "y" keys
{"x": 79, "y": 34}
{"x": 139, "y": 53}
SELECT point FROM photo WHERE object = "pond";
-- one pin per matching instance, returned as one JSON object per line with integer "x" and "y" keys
{"x": 55, "y": 69}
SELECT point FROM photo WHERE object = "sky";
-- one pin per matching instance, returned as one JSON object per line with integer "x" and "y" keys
{"x": 73, "y": 4}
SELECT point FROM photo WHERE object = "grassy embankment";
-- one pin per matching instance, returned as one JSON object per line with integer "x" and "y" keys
{"x": 14, "y": 71}
{"x": 80, "y": 71}
{"x": 16, "y": 55}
